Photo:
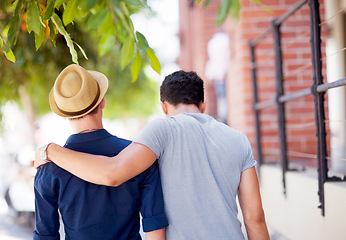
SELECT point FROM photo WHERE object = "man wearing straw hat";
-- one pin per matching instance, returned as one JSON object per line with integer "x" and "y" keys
{"x": 91, "y": 211}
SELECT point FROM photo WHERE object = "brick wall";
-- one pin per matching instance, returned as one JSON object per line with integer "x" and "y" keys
{"x": 197, "y": 27}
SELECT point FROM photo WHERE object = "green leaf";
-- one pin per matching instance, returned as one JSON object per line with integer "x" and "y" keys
{"x": 8, "y": 53}
{"x": 115, "y": 3}
{"x": 131, "y": 26}
{"x": 95, "y": 20}
{"x": 124, "y": 19}
{"x": 51, "y": 31}
{"x": 266, "y": 7}
{"x": 105, "y": 44}
{"x": 198, "y": 1}
{"x": 235, "y": 9}
{"x": 121, "y": 33}
{"x": 58, "y": 3}
{"x": 142, "y": 41}
{"x": 223, "y": 11}
{"x": 82, "y": 50}
{"x": 10, "y": 56}
{"x": 69, "y": 12}
{"x": 18, "y": 8}
{"x": 207, "y": 3}
{"x": 124, "y": 8}
{"x": 39, "y": 38}
{"x": 136, "y": 66}
{"x": 90, "y": 3}
{"x": 106, "y": 26}
{"x": 134, "y": 2}
{"x": 5, "y": 47}
{"x": 34, "y": 21}
{"x": 12, "y": 31}
{"x": 127, "y": 52}
{"x": 154, "y": 62}
{"x": 57, "y": 21}
{"x": 49, "y": 10}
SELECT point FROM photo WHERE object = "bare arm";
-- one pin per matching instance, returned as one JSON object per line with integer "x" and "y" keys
{"x": 251, "y": 206}
{"x": 156, "y": 235}
{"x": 100, "y": 169}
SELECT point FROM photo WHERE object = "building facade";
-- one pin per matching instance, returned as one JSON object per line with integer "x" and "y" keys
{"x": 197, "y": 29}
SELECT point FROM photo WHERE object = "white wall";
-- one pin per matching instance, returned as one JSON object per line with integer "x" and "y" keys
{"x": 335, "y": 61}
{"x": 297, "y": 216}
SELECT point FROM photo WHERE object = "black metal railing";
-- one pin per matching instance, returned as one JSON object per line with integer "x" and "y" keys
{"x": 317, "y": 89}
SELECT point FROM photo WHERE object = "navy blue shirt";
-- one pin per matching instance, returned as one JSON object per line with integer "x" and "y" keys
{"x": 91, "y": 211}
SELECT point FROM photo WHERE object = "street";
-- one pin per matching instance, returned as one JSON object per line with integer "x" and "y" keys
{"x": 12, "y": 228}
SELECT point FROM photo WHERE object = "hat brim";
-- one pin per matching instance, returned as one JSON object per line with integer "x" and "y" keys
{"x": 102, "y": 81}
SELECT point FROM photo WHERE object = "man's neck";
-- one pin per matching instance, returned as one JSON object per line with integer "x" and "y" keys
{"x": 183, "y": 108}
{"x": 86, "y": 124}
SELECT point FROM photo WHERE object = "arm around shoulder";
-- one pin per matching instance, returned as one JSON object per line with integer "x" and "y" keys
{"x": 101, "y": 169}
{"x": 251, "y": 206}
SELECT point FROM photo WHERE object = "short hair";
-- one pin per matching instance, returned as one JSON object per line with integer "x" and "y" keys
{"x": 182, "y": 87}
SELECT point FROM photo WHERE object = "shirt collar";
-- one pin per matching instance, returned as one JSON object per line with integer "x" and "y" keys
{"x": 89, "y": 136}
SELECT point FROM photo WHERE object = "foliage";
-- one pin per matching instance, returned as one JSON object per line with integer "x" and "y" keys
{"x": 109, "y": 19}
{"x": 39, "y": 37}
{"x": 36, "y": 72}
{"x": 126, "y": 99}
{"x": 229, "y": 7}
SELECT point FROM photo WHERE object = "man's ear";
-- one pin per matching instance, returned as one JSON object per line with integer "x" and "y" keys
{"x": 164, "y": 108}
{"x": 202, "y": 106}
{"x": 103, "y": 103}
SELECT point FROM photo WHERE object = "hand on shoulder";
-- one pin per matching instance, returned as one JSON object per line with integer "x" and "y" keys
{"x": 41, "y": 155}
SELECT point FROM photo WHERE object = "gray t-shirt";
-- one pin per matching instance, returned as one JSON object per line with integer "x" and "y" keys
{"x": 200, "y": 162}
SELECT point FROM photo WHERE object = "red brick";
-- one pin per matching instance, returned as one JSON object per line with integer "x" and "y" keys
{"x": 198, "y": 27}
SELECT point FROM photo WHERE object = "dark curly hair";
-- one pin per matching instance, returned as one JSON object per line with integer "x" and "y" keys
{"x": 182, "y": 87}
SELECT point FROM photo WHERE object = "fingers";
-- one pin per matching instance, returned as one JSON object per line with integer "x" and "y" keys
{"x": 38, "y": 161}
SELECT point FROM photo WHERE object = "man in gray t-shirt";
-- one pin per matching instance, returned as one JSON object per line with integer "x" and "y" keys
{"x": 204, "y": 165}
{"x": 201, "y": 161}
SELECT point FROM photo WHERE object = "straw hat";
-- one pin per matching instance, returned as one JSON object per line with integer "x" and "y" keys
{"x": 76, "y": 91}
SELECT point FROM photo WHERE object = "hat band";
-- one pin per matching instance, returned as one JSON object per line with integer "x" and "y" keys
{"x": 85, "y": 109}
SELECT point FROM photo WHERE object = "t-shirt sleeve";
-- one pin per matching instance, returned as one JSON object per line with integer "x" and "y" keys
{"x": 152, "y": 205}
{"x": 248, "y": 160}
{"x": 154, "y": 136}
{"x": 46, "y": 206}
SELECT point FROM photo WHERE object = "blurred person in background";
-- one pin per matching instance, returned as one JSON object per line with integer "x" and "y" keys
{"x": 216, "y": 70}
{"x": 91, "y": 211}
{"x": 204, "y": 165}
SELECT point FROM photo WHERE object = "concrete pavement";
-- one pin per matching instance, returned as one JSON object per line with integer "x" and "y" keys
{"x": 12, "y": 228}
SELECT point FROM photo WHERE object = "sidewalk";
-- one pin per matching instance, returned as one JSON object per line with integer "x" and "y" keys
{"x": 10, "y": 229}
{"x": 275, "y": 235}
